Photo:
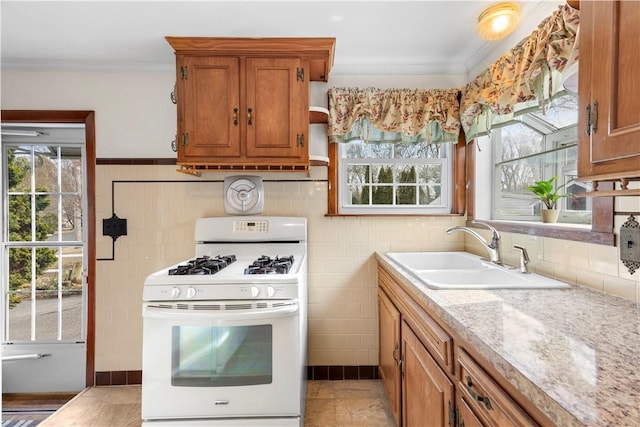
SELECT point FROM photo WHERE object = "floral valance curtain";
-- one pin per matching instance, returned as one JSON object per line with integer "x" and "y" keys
{"x": 394, "y": 115}
{"x": 523, "y": 78}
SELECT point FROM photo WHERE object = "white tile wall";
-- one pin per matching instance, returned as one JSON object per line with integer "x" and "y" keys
{"x": 342, "y": 268}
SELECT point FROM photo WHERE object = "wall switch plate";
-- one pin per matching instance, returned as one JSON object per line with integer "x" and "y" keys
{"x": 630, "y": 244}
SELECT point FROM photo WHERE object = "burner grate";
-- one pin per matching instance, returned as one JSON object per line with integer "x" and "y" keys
{"x": 203, "y": 265}
{"x": 268, "y": 265}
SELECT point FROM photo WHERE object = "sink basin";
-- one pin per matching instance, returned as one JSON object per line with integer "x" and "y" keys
{"x": 437, "y": 260}
{"x": 462, "y": 270}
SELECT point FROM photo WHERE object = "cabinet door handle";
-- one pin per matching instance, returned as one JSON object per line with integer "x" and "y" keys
{"x": 249, "y": 117}
{"x": 235, "y": 116}
{"x": 476, "y": 396}
{"x": 594, "y": 117}
{"x": 587, "y": 125}
{"x": 395, "y": 353}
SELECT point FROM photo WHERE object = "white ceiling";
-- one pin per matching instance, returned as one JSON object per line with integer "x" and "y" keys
{"x": 372, "y": 37}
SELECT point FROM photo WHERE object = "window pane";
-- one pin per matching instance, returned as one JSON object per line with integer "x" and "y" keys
{"x": 561, "y": 112}
{"x": 71, "y": 217}
{"x": 382, "y": 194}
{"x": 46, "y": 168}
{"x": 406, "y": 195}
{"x": 47, "y": 315}
{"x": 406, "y": 174}
{"x": 19, "y": 218}
{"x": 382, "y": 174}
{"x": 518, "y": 140}
{"x": 19, "y": 316}
{"x": 381, "y": 151}
{"x": 18, "y": 169}
{"x": 72, "y": 315}
{"x": 358, "y": 174}
{"x": 47, "y": 216}
{"x": 355, "y": 150}
{"x": 430, "y": 174}
{"x": 359, "y": 194}
{"x": 429, "y": 195}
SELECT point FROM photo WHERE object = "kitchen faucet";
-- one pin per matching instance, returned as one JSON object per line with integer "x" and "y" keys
{"x": 493, "y": 247}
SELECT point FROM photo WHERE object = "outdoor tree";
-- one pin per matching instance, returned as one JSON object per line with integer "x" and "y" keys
{"x": 20, "y": 225}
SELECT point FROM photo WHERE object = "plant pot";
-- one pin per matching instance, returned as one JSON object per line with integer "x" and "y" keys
{"x": 550, "y": 215}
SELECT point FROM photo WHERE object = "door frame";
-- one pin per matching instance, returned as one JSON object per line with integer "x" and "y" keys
{"x": 88, "y": 118}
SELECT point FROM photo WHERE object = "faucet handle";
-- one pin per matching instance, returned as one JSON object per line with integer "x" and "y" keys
{"x": 524, "y": 258}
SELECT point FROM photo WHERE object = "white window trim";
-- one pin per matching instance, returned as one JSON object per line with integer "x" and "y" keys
{"x": 346, "y": 208}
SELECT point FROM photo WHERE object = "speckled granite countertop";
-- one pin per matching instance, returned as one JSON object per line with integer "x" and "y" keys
{"x": 574, "y": 353}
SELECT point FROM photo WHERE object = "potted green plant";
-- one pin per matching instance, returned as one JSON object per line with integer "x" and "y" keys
{"x": 549, "y": 195}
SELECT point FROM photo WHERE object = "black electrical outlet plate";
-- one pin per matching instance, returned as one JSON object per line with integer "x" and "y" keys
{"x": 114, "y": 227}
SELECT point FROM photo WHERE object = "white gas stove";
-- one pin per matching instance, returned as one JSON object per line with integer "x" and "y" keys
{"x": 225, "y": 332}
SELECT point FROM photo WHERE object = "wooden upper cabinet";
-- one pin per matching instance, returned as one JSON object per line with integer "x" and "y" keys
{"x": 277, "y": 109}
{"x": 243, "y": 103}
{"x": 208, "y": 107}
{"x": 609, "y": 84}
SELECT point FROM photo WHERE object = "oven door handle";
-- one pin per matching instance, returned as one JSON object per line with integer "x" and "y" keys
{"x": 248, "y": 314}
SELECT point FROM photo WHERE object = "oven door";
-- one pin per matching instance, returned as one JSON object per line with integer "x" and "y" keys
{"x": 217, "y": 359}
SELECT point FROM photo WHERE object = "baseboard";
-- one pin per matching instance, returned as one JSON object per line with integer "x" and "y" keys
{"x": 323, "y": 372}
{"x": 118, "y": 378}
{"x": 342, "y": 372}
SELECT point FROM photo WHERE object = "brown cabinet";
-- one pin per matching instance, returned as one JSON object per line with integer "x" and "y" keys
{"x": 389, "y": 352}
{"x": 426, "y": 390}
{"x": 484, "y": 397}
{"x": 244, "y": 103}
{"x": 609, "y": 84}
{"x": 423, "y": 378}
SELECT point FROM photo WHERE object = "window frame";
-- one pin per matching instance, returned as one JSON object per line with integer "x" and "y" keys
{"x": 601, "y": 231}
{"x": 458, "y": 153}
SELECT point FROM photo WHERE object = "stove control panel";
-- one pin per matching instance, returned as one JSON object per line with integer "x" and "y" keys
{"x": 220, "y": 292}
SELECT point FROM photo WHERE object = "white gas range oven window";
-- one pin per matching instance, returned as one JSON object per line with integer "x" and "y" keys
{"x": 221, "y": 356}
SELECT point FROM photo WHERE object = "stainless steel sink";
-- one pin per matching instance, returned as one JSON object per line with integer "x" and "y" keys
{"x": 462, "y": 270}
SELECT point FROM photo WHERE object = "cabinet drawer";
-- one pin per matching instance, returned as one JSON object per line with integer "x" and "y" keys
{"x": 486, "y": 398}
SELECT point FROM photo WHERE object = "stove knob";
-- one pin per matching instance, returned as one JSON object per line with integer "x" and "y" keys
{"x": 175, "y": 293}
{"x": 255, "y": 291}
{"x": 191, "y": 292}
{"x": 270, "y": 291}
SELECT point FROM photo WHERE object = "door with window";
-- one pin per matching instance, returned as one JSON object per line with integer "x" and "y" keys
{"x": 44, "y": 257}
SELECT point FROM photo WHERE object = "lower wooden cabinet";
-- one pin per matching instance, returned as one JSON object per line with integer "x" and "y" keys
{"x": 487, "y": 400}
{"x": 389, "y": 352}
{"x": 427, "y": 391}
{"x": 425, "y": 384}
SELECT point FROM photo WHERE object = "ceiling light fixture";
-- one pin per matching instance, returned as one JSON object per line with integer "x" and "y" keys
{"x": 498, "y": 20}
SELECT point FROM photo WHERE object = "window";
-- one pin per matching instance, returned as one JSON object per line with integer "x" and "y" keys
{"x": 394, "y": 178}
{"x": 43, "y": 240}
{"x": 534, "y": 147}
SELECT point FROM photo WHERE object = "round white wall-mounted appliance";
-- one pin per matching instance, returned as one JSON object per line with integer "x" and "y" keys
{"x": 243, "y": 195}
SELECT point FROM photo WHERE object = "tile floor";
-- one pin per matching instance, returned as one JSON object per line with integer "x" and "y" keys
{"x": 329, "y": 404}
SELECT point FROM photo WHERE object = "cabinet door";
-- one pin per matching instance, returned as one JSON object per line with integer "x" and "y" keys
{"x": 427, "y": 393}
{"x": 209, "y": 108}
{"x": 466, "y": 416}
{"x": 609, "y": 63}
{"x": 277, "y": 109}
{"x": 389, "y": 351}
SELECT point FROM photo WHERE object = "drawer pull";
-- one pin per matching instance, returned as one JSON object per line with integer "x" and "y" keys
{"x": 478, "y": 397}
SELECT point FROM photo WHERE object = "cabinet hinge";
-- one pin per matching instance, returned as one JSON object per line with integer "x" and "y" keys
{"x": 453, "y": 415}
{"x": 300, "y": 74}
{"x": 185, "y": 139}
{"x": 184, "y": 72}
{"x": 300, "y": 140}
